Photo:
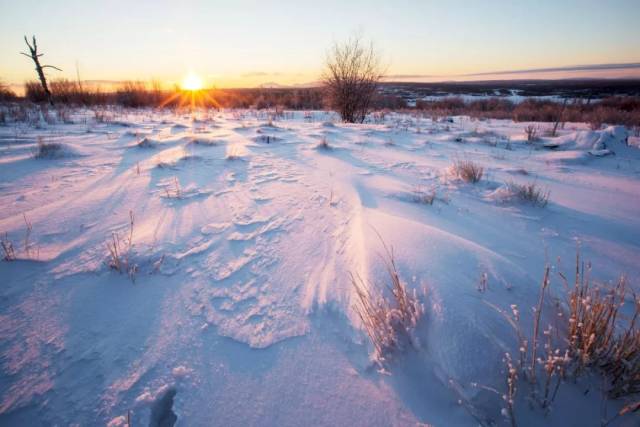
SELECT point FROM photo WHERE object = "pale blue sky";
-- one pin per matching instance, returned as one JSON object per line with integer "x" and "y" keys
{"x": 244, "y": 43}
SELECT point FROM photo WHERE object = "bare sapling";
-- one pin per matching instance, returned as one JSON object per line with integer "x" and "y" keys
{"x": 352, "y": 73}
{"x": 35, "y": 56}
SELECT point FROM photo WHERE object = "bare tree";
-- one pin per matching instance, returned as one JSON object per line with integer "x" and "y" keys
{"x": 34, "y": 55}
{"x": 353, "y": 71}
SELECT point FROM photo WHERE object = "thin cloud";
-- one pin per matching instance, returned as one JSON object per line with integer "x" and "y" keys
{"x": 590, "y": 67}
{"x": 260, "y": 74}
{"x": 410, "y": 76}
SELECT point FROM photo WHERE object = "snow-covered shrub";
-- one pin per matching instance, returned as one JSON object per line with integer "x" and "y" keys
{"x": 468, "y": 171}
{"x": 389, "y": 320}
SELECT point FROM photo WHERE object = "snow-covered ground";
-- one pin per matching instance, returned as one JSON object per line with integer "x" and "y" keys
{"x": 245, "y": 233}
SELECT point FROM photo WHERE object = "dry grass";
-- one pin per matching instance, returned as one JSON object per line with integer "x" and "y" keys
{"x": 468, "y": 171}
{"x": 7, "y": 248}
{"x": 47, "y": 150}
{"x": 424, "y": 197}
{"x": 120, "y": 252}
{"x": 388, "y": 319}
{"x": 323, "y": 144}
{"x": 530, "y": 193}
{"x": 589, "y": 335}
{"x": 599, "y": 336}
{"x": 532, "y": 133}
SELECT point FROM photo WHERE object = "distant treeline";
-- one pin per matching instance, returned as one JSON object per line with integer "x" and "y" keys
{"x": 624, "y": 110}
{"x": 613, "y": 109}
{"x": 140, "y": 94}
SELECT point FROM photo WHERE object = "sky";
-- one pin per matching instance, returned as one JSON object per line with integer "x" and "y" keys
{"x": 246, "y": 43}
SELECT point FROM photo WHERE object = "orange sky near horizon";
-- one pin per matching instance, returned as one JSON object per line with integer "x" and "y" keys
{"x": 248, "y": 43}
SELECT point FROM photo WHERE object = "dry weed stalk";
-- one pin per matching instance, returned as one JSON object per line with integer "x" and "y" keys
{"x": 512, "y": 388}
{"x": 532, "y": 133}
{"x": 120, "y": 252}
{"x": 7, "y": 247}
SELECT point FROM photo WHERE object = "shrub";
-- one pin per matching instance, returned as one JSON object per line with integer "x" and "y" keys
{"x": 6, "y": 94}
{"x": 351, "y": 78}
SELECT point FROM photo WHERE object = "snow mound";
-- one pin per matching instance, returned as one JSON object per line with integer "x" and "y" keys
{"x": 595, "y": 142}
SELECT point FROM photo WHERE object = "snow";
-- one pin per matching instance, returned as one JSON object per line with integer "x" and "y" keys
{"x": 245, "y": 234}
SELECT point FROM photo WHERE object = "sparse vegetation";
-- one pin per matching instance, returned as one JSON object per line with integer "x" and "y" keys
{"x": 530, "y": 193}
{"x": 422, "y": 196}
{"x": 589, "y": 333}
{"x": 7, "y": 248}
{"x": 468, "y": 171}
{"x": 532, "y": 133}
{"x": 47, "y": 150}
{"x": 120, "y": 252}
{"x": 390, "y": 318}
{"x": 323, "y": 144}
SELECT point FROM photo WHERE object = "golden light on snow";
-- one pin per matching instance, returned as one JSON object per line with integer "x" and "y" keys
{"x": 191, "y": 82}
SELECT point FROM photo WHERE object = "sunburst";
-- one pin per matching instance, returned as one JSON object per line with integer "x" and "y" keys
{"x": 192, "y": 94}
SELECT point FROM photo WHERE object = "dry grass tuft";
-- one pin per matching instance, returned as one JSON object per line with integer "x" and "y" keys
{"x": 532, "y": 133}
{"x": 388, "y": 320}
{"x": 600, "y": 337}
{"x": 323, "y": 144}
{"x": 120, "y": 252}
{"x": 589, "y": 335}
{"x": 468, "y": 171}
{"x": 424, "y": 197}
{"x": 47, "y": 150}
{"x": 7, "y": 248}
{"x": 531, "y": 193}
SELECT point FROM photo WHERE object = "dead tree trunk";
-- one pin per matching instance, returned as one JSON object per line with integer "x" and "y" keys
{"x": 34, "y": 55}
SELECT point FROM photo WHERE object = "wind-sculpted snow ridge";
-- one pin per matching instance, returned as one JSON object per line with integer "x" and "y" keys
{"x": 240, "y": 237}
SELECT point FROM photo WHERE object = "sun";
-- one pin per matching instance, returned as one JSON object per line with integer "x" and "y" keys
{"x": 191, "y": 82}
